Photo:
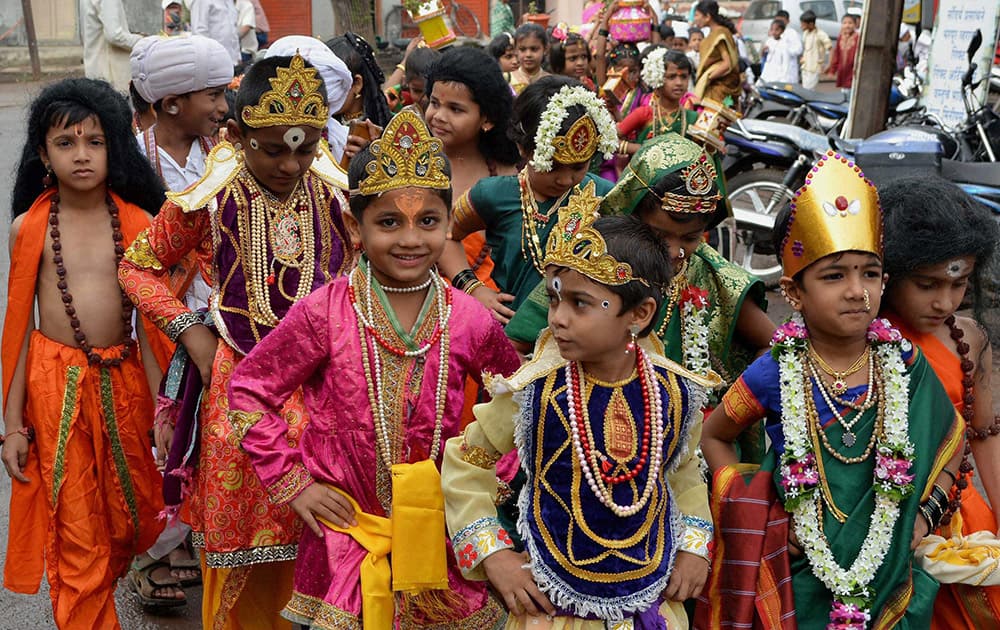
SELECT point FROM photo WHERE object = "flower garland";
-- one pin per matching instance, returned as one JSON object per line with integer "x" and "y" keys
{"x": 653, "y": 68}
{"x": 694, "y": 329}
{"x": 554, "y": 115}
{"x": 800, "y": 473}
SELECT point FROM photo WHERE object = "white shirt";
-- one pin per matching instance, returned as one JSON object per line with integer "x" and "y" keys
{"x": 245, "y": 17}
{"x": 177, "y": 178}
{"x": 107, "y": 42}
{"x": 216, "y": 19}
{"x": 782, "y": 64}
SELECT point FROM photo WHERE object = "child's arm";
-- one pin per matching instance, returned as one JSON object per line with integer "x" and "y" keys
{"x": 985, "y": 451}
{"x": 143, "y": 274}
{"x": 691, "y": 495}
{"x": 718, "y": 439}
{"x": 15, "y": 446}
{"x": 753, "y": 326}
{"x": 149, "y": 365}
{"x": 283, "y": 360}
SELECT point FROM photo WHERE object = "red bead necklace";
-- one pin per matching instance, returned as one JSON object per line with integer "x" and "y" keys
{"x": 400, "y": 352}
{"x": 67, "y": 298}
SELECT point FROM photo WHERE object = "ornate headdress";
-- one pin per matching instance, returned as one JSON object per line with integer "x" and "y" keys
{"x": 406, "y": 155}
{"x": 659, "y": 157}
{"x": 295, "y": 99}
{"x": 836, "y": 210}
{"x": 593, "y": 131}
{"x": 575, "y": 244}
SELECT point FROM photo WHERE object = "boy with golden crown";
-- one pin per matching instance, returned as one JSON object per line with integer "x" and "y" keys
{"x": 860, "y": 430}
{"x": 382, "y": 357}
{"x": 614, "y": 512}
{"x": 267, "y": 213}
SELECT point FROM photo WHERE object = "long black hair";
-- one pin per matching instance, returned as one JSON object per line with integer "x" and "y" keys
{"x": 359, "y": 58}
{"x": 476, "y": 70}
{"x": 69, "y": 102}
{"x": 711, "y": 9}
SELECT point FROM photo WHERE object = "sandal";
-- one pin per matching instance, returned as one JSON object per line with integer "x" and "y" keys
{"x": 142, "y": 582}
{"x": 191, "y": 563}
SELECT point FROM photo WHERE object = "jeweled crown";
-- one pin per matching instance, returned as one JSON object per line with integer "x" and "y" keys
{"x": 295, "y": 98}
{"x": 406, "y": 155}
{"x": 574, "y": 243}
{"x": 836, "y": 210}
{"x": 579, "y": 144}
{"x": 699, "y": 177}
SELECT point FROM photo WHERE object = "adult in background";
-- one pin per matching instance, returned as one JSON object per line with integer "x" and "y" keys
{"x": 216, "y": 19}
{"x": 845, "y": 51}
{"x": 816, "y": 46}
{"x": 719, "y": 76}
{"x": 107, "y": 42}
{"x": 263, "y": 26}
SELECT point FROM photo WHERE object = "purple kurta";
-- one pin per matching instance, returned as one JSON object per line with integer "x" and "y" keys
{"x": 317, "y": 346}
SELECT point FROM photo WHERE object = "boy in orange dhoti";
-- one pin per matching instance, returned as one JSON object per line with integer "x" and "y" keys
{"x": 78, "y": 402}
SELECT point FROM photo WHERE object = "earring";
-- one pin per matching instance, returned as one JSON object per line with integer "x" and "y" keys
{"x": 868, "y": 303}
{"x": 47, "y": 178}
{"x": 256, "y": 145}
{"x": 358, "y": 247}
{"x": 238, "y": 146}
{"x": 633, "y": 332}
{"x": 791, "y": 302}
{"x": 682, "y": 254}
{"x": 172, "y": 110}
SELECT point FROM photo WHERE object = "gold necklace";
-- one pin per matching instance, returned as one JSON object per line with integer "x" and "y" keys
{"x": 678, "y": 281}
{"x": 839, "y": 385}
{"x": 531, "y": 219}
{"x": 813, "y": 420}
{"x": 658, "y": 118}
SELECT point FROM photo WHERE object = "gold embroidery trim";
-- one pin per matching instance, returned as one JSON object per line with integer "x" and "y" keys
{"x": 290, "y": 485}
{"x": 70, "y": 395}
{"x": 140, "y": 253}
{"x": 479, "y": 456}
{"x": 243, "y": 421}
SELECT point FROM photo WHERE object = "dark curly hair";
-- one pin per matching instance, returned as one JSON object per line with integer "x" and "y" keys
{"x": 358, "y": 56}
{"x": 529, "y": 106}
{"x": 476, "y": 70}
{"x": 68, "y": 102}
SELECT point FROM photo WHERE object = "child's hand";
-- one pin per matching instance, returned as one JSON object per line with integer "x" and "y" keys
{"x": 201, "y": 344}
{"x": 319, "y": 500}
{"x": 495, "y": 302}
{"x": 688, "y": 577}
{"x": 15, "y": 456}
{"x": 509, "y": 575}
{"x": 163, "y": 438}
{"x": 920, "y": 530}
{"x": 356, "y": 143}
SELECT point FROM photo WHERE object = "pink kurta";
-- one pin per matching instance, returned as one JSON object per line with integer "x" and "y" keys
{"x": 318, "y": 346}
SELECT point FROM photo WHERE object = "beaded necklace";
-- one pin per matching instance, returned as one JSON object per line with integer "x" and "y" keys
{"x": 153, "y": 151}
{"x": 532, "y": 219}
{"x": 662, "y": 122}
{"x": 281, "y": 234}
{"x": 678, "y": 281}
{"x": 67, "y": 298}
{"x": 871, "y": 395}
{"x": 372, "y": 363}
{"x": 968, "y": 414}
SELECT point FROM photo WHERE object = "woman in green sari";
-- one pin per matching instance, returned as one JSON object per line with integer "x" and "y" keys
{"x": 719, "y": 77}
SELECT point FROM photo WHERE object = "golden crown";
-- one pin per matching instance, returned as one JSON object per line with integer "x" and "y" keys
{"x": 699, "y": 177}
{"x": 579, "y": 144}
{"x": 295, "y": 98}
{"x": 836, "y": 210}
{"x": 576, "y": 245}
{"x": 406, "y": 155}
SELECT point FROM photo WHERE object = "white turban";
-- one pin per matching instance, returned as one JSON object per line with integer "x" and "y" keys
{"x": 337, "y": 78}
{"x": 172, "y": 66}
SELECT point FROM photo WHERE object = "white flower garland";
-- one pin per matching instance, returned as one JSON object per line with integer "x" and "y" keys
{"x": 800, "y": 479}
{"x": 694, "y": 335}
{"x": 653, "y": 68}
{"x": 554, "y": 115}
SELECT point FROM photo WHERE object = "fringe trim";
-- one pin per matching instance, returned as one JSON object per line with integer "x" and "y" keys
{"x": 696, "y": 397}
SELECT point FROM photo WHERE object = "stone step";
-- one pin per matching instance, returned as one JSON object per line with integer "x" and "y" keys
{"x": 56, "y": 62}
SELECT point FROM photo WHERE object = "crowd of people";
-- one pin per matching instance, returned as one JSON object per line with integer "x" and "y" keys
{"x": 451, "y": 349}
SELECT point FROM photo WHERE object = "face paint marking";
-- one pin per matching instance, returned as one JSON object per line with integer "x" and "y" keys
{"x": 557, "y": 287}
{"x": 254, "y": 144}
{"x": 605, "y": 305}
{"x": 410, "y": 203}
{"x": 956, "y": 268}
{"x": 78, "y": 129}
{"x": 294, "y": 137}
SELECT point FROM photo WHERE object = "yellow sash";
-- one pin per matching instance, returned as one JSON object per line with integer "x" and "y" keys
{"x": 414, "y": 535}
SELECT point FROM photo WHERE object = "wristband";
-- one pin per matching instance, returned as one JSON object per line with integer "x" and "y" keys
{"x": 179, "y": 324}
{"x": 27, "y": 432}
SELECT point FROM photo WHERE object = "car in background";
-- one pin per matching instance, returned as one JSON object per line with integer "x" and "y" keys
{"x": 759, "y": 14}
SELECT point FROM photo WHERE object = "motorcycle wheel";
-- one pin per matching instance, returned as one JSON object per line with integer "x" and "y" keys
{"x": 759, "y": 192}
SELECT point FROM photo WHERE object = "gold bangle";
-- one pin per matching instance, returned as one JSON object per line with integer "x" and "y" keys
{"x": 472, "y": 286}
{"x": 400, "y": 67}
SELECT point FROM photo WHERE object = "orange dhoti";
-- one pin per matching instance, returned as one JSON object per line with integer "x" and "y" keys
{"x": 94, "y": 494}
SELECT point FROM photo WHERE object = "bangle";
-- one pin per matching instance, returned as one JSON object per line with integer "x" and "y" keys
{"x": 950, "y": 474}
{"x": 472, "y": 286}
{"x": 603, "y": 32}
{"x": 623, "y": 148}
{"x": 179, "y": 324}
{"x": 463, "y": 279}
{"x": 27, "y": 432}
{"x": 400, "y": 67}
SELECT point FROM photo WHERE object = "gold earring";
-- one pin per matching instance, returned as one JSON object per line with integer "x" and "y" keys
{"x": 868, "y": 303}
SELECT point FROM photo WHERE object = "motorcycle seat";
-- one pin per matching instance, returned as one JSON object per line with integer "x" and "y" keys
{"x": 834, "y": 98}
{"x": 982, "y": 173}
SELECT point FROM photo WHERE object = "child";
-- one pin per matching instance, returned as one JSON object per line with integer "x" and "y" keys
{"x": 860, "y": 429}
{"x": 412, "y": 88}
{"x": 502, "y": 49}
{"x": 85, "y": 498}
{"x": 268, "y": 210}
{"x": 845, "y": 52}
{"x": 366, "y": 100}
{"x": 667, "y": 73}
{"x": 532, "y": 44}
{"x": 599, "y": 417}
{"x": 816, "y": 46}
{"x": 570, "y": 56}
{"x": 559, "y": 125}
{"x": 393, "y": 343}
{"x": 937, "y": 242}
{"x": 782, "y": 52}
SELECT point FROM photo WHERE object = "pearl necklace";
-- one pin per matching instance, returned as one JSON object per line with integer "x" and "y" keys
{"x": 372, "y": 363}
{"x": 414, "y": 289}
{"x": 848, "y": 438}
{"x": 588, "y": 459}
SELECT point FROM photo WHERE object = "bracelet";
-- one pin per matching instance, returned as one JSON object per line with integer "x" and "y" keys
{"x": 463, "y": 279}
{"x": 179, "y": 324}
{"x": 603, "y": 32}
{"x": 472, "y": 286}
{"x": 400, "y": 67}
{"x": 950, "y": 474}
{"x": 623, "y": 148}
{"x": 27, "y": 432}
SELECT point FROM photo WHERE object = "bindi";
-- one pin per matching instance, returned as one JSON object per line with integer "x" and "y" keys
{"x": 956, "y": 268}
{"x": 557, "y": 287}
{"x": 410, "y": 203}
{"x": 294, "y": 137}
{"x": 78, "y": 130}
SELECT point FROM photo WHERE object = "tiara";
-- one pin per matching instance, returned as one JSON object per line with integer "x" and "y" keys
{"x": 295, "y": 98}
{"x": 594, "y": 131}
{"x": 406, "y": 155}
{"x": 575, "y": 244}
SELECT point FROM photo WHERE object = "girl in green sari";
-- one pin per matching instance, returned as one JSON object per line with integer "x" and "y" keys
{"x": 719, "y": 76}
{"x": 667, "y": 73}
